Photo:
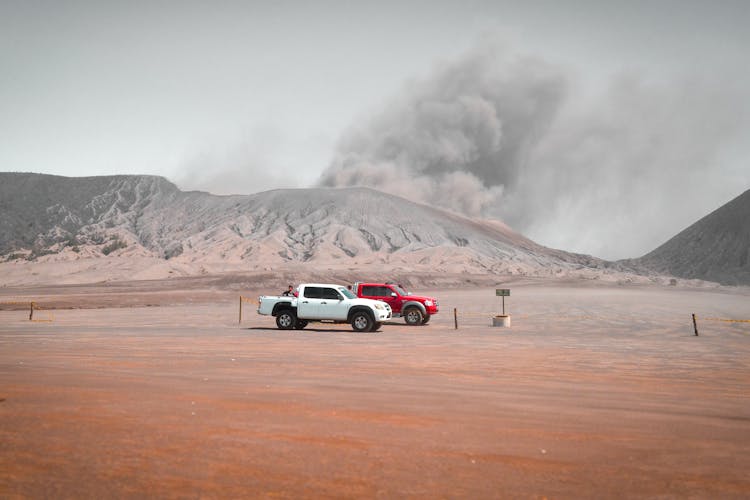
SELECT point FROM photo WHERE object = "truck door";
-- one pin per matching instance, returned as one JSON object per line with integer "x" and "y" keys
{"x": 382, "y": 293}
{"x": 332, "y": 305}
{"x": 308, "y": 303}
{"x": 394, "y": 302}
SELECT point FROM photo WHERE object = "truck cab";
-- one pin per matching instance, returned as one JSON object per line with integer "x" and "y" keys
{"x": 323, "y": 302}
{"x": 415, "y": 309}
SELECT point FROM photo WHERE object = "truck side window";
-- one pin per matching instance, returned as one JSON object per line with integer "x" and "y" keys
{"x": 370, "y": 291}
{"x": 330, "y": 293}
{"x": 313, "y": 292}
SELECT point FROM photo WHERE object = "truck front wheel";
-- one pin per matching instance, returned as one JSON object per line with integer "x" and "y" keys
{"x": 362, "y": 322}
{"x": 286, "y": 320}
{"x": 426, "y": 319}
{"x": 413, "y": 316}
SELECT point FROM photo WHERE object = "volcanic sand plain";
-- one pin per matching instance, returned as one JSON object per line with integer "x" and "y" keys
{"x": 596, "y": 391}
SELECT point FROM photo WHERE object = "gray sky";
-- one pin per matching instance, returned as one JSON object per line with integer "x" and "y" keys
{"x": 246, "y": 96}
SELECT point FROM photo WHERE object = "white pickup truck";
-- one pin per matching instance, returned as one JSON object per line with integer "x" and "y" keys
{"x": 324, "y": 302}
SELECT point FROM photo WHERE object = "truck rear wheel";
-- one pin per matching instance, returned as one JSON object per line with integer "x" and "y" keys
{"x": 362, "y": 322}
{"x": 413, "y": 316}
{"x": 286, "y": 320}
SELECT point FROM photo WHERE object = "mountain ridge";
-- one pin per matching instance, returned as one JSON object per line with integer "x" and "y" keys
{"x": 44, "y": 215}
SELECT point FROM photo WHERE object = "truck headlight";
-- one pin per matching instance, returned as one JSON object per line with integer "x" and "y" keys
{"x": 428, "y": 303}
{"x": 379, "y": 307}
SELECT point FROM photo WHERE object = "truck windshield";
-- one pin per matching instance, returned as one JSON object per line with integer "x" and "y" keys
{"x": 400, "y": 290}
{"x": 347, "y": 293}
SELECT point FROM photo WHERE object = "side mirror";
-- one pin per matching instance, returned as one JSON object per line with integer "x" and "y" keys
{"x": 393, "y": 294}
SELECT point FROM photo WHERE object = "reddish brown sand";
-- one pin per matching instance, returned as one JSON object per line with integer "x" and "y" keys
{"x": 595, "y": 392}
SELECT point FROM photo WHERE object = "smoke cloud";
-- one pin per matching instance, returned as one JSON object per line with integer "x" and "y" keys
{"x": 500, "y": 135}
{"x": 457, "y": 139}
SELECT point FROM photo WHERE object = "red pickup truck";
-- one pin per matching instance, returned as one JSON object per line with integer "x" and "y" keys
{"x": 416, "y": 309}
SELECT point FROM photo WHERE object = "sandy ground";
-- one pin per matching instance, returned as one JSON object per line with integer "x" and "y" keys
{"x": 595, "y": 392}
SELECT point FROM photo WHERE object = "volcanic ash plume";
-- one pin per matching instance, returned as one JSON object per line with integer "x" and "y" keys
{"x": 457, "y": 139}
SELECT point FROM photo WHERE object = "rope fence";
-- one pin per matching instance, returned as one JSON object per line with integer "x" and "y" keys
{"x": 727, "y": 320}
{"x": 33, "y": 307}
{"x": 482, "y": 314}
{"x": 722, "y": 320}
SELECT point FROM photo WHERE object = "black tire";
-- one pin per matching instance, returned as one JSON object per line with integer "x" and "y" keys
{"x": 286, "y": 319}
{"x": 301, "y": 323}
{"x": 426, "y": 319}
{"x": 376, "y": 326}
{"x": 413, "y": 316}
{"x": 362, "y": 322}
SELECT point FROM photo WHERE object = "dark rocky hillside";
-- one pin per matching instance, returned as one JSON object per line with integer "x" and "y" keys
{"x": 716, "y": 248}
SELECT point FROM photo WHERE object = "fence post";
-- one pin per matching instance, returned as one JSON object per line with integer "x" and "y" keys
{"x": 239, "y": 322}
{"x": 455, "y": 318}
{"x": 31, "y": 311}
{"x": 695, "y": 325}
